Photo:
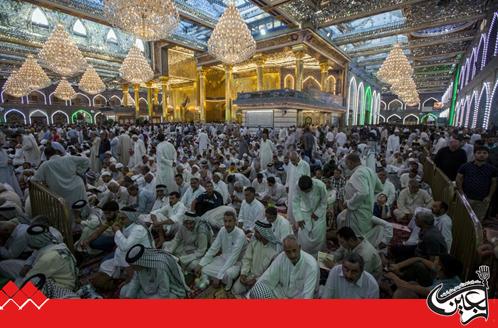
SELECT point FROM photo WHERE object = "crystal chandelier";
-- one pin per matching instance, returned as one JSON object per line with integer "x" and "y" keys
{"x": 231, "y": 41}
{"x": 135, "y": 68}
{"x": 64, "y": 90}
{"x": 90, "y": 82}
{"x": 33, "y": 75}
{"x": 61, "y": 55}
{"x": 396, "y": 67}
{"x": 14, "y": 86}
{"x": 148, "y": 19}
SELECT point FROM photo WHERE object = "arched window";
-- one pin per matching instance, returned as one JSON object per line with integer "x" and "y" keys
{"x": 38, "y": 17}
{"x": 140, "y": 44}
{"x": 111, "y": 36}
{"x": 79, "y": 28}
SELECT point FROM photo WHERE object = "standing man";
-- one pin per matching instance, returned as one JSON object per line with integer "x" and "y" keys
{"x": 310, "y": 209}
{"x": 393, "y": 144}
{"x": 477, "y": 180}
{"x": 266, "y": 151}
{"x": 297, "y": 169}
{"x": 359, "y": 197}
{"x": 124, "y": 147}
{"x": 450, "y": 158}
{"x": 166, "y": 157}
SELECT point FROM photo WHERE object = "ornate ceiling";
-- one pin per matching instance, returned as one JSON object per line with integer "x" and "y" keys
{"x": 434, "y": 33}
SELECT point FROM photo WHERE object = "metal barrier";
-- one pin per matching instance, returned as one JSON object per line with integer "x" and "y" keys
{"x": 467, "y": 229}
{"x": 44, "y": 202}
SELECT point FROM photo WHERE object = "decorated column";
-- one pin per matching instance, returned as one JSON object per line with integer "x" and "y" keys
{"x": 164, "y": 85}
{"x": 136, "y": 88}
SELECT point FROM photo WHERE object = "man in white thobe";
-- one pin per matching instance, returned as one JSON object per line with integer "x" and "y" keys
{"x": 266, "y": 151}
{"x": 393, "y": 144}
{"x": 221, "y": 187}
{"x": 138, "y": 152}
{"x": 166, "y": 157}
{"x": 359, "y": 197}
{"x": 294, "y": 274}
{"x": 257, "y": 257}
{"x": 388, "y": 187}
{"x": 251, "y": 210}
{"x": 203, "y": 141}
{"x": 229, "y": 244}
{"x": 297, "y": 169}
{"x": 280, "y": 226}
{"x": 30, "y": 150}
{"x": 169, "y": 217}
{"x": 310, "y": 209}
{"x": 95, "y": 164}
{"x": 62, "y": 176}
{"x": 124, "y": 147}
{"x": 194, "y": 191}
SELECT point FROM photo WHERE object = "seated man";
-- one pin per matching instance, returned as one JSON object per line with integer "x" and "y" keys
{"x": 191, "y": 241}
{"x": 144, "y": 199}
{"x": 259, "y": 185}
{"x": 258, "y": 256}
{"x": 192, "y": 192}
{"x": 222, "y": 261}
{"x": 431, "y": 244}
{"x": 280, "y": 226}
{"x": 294, "y": 274}
{"x": 208, "y": 200}
{"x": 129, "y": 230}
{"x": 156, "y": 275}
{"x": 116, "y": 193}
{"x": 409, "y": 199}
{"x": 251, "y": 210}
{"x": 90, "y": 219}
{"x": 441, "y": 221}
{"x": 349, "y": 280}
{"x": 275, "y": 192}
{"x": 168, "y": 219}
{"x": 102, "y": 238}
{"x": 161, "y": 197}
{"x": 446, "y": 267}
{"x": 53, "y": 259}
{"x": 350, "y": 243}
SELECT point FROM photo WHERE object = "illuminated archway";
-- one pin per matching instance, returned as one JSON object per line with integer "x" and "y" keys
{"x": 38, "y": 111}
{"x": 352, "y": 91}
{"x": 86, "y": 115}
{"x": 360, "y": 104}
{"x": 367, "y": 109}
{"x": 14, "y": 112}
{"x": 425, "y": 118}
{"x": 52, "y": 117}
{"x": 289, "y": 82}
{"x": 478, "y": 119}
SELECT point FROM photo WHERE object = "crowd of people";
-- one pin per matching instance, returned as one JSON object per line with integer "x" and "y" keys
{"x": 220, "y": 210}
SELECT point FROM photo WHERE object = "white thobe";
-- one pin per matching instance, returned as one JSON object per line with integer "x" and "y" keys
{"x": 30, "y": 149}
{"x": 251, "y": 212}
{"x": 203, "y": 140}
{"x": 295, "y": 172}
{"x": 266, "y": 153}
{"x": 260, "y": 187}
{"x": 61, "y": 174}
{"x": 166, "y": 157}
{"x": 281, "y": 228}
{"x": 359, "y": 195}
{"x": 312, "y": 235}
{"x": 341, "y": 138}
{"x": 392, "y": 145}
{"x": 222, "y": 188}
{"x": 138, "y": 152}
{"x": 390, "y": 191}
{"x": 227, "y": 264}
{"x": 286, "y": 280}
{"x": 190, "y": 195}
{"x": 95, "y": 164}
{"x": 125, "y": 145}
{"x": 174, "y": 213}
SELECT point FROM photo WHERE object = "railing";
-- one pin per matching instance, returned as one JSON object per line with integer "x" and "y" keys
{"x": 467, "y": 229}
{"x": 44, "y": 202}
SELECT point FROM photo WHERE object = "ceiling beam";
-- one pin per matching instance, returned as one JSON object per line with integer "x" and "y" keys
{"x": 403, "y": 28}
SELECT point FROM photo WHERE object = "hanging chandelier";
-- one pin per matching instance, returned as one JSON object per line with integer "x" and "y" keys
{"x": 135, "y": 68}
{"x": 91, "y": 82}
{"x": 33, "y": 75}
{"x": 231, "y": 41}
{"x": 396, "y": 67}
{"x": 64, "y": 90}
{"x": 149, "y": 20}
{"x": 14, "y": 86}
{"x": 61, "y": 55}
